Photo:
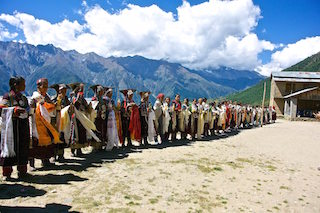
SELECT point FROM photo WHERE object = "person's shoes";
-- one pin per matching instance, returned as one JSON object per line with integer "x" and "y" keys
{"x": 60, "y": 158}
{"x": 23, "y": 176}
{"x": 47, "y": 163}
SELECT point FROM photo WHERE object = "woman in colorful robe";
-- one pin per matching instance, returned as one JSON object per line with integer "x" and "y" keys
{"x": 143, "y": 109}
{"x": 44, "y": 135}
{"x": 61, "y": 101}
{"x": 130, "y": 117}
{"x": 112, "y": 131}
{"x": 176, "y": 109}
{"x": 15, "y": 135}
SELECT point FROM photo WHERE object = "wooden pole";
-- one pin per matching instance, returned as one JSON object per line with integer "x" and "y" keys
{"x": 263, "y": 99}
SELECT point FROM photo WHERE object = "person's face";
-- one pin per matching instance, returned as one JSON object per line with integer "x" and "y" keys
{"x": 100, "y": 93}
{"x": 63, "y": 92}
{"x": 43, "y": 88}
{"x": 200, "y": 100}
{"x": 130, "y": 97}
{"x": 178, "y": 98}
{"x": 22, "y": 86}
{"x": 185, "y": 101}
{"x": 109, "y": 94}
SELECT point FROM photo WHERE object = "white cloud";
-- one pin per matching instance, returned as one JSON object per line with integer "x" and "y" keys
{"x": 5, "y": 34}
{"x": 211, "y": 34}
{"x": 291, "y": 54}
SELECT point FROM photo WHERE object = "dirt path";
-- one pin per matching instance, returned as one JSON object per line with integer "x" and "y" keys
{"x": 269, "y": 169}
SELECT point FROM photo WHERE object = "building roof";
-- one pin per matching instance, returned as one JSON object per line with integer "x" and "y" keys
{"x": 300, "y": 92}
{"x": 296, "y": 76}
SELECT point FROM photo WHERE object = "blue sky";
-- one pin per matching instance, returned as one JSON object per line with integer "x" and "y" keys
{"x": 281, "y": 21}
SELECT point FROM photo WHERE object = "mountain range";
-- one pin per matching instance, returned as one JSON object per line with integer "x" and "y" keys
{"x": 34, "y": 62}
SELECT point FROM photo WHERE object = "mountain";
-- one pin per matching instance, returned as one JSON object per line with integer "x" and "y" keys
{"x": 310, "y": 64}
{"x": 34, "y": 62}
{"x": 235, "y": 79}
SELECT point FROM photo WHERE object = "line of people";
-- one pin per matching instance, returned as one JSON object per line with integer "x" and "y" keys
{"x": 43, "y": 128}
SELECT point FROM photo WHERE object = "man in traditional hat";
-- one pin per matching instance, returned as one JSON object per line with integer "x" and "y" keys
{"x": 80, "y": 103}
{"x": 61, "y": 100}
{"x": 15, "y": 142}
{"x": 126, "y": 106}
{"x": 44, "y": 135}
{"x": 144, "y": 116}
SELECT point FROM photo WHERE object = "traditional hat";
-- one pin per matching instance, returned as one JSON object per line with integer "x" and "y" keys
{"x": 58, "y": 87}
{"x": 108, "y": 90}
{"x": 160, "y": 95}
{"x": 97, "y": 88}
{"x": 42, "y": 80}
{"x": 144, "y": 94}
{"x": 74, "y": 86}
{"x": 127, "y": 92}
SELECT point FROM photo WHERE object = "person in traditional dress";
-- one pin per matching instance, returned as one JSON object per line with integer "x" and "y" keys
{"x": 184, "y": 119}
{"x": 215, "y": 117}
{"x": 207, "y": 117}
{"x": 151, "y": 123}
{"x": 143, "y": 108}
{"x": 194, "y": 119}
{"x": 61, "y": 101}
{"x": 112, "y": 130}
{"x": 99, "y": 104}
{"x": 130, "y": 118}
{"x": 166, "y": 120}
{"x": 176, "y": 110}
{"x": 117, "y": 112}
{"x": 159, "y": 116}
{"x": 44, "y": 134}
{"x": 200, "y": 130}
{"x": 15, "y": 135}
{"x": 79, "y": 132}
{"x": 222, "y": 117}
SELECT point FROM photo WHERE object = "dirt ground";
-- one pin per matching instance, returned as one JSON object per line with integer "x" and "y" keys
{"x": 269, "y": 169}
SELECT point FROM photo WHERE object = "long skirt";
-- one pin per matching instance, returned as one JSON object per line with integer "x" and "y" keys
{"x": 21, "y": 136}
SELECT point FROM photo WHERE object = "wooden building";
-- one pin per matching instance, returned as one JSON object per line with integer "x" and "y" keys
{"x": 295, "y": 94}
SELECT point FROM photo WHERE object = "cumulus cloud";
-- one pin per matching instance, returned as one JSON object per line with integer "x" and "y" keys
{"x": 291, "y": 54}
{"x": 208, "y": 35}
{"x": 5, "y": 34}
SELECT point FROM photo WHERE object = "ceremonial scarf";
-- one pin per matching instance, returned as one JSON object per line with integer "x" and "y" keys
{"x": 42, "y": 119}
{"x": 7, "y": 138}
{"x": 65, "y": 124}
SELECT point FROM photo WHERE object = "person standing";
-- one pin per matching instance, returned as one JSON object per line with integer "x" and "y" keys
{"x": 44, "y": 135}
{"x": 61, "y": 101}
{"x": 176, "y": 110}
{"x": 15, "y": 134}
{"x": 159, "y": 116}
{"x": 143, "y": 108}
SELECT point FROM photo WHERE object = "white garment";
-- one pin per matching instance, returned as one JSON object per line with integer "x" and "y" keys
{"x": 112, "y": 131}
{"x": 7, "y": 138}
{"x": 151, "y": 128}
{"x": 167, "y": 118}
